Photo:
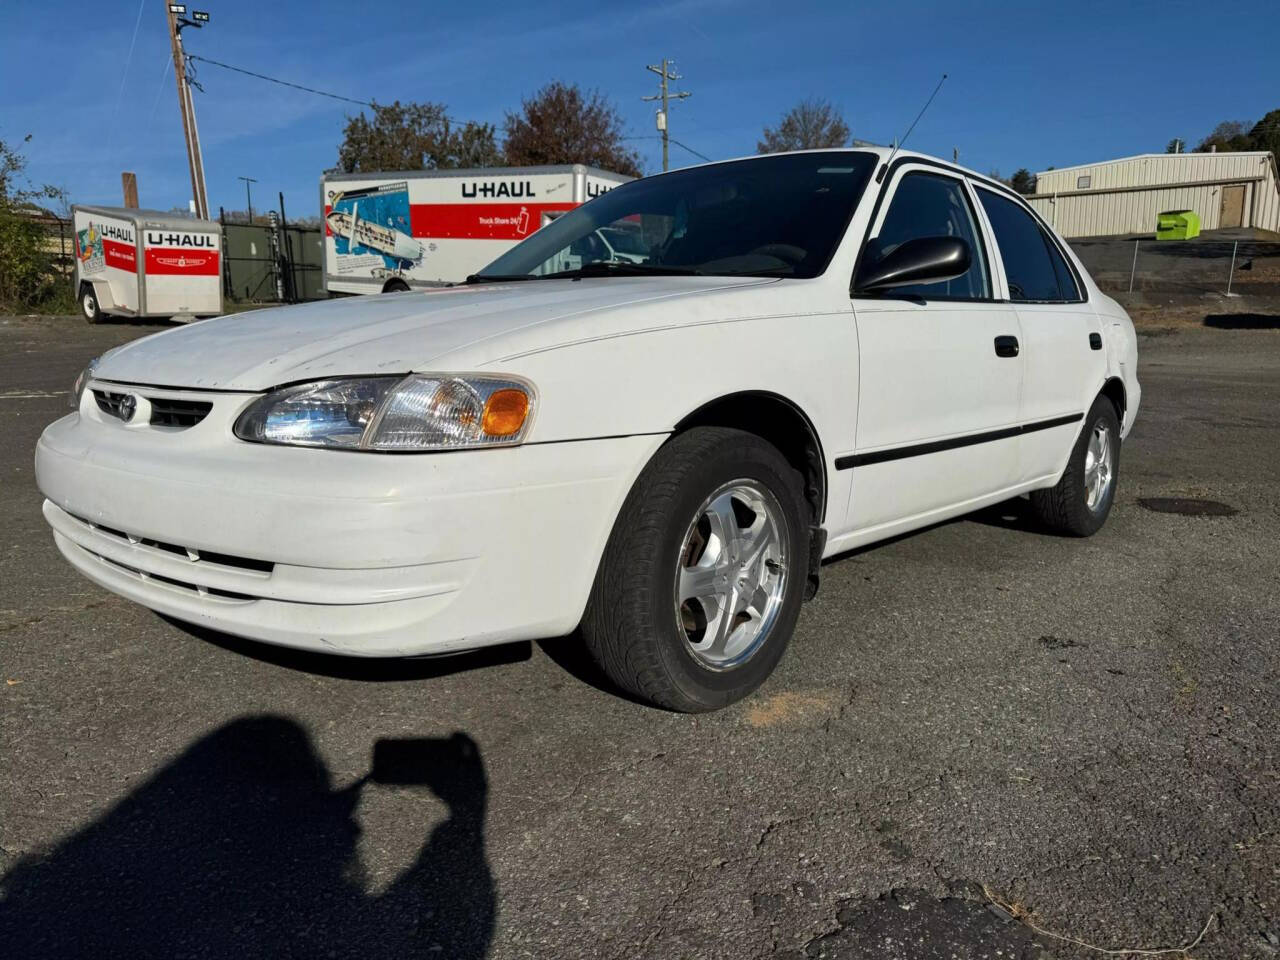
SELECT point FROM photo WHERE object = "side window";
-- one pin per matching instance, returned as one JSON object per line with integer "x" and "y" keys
{"x": 927, "y": 205}
{"x": 1067, "y": 289}
{"x": 1023, "y": 249}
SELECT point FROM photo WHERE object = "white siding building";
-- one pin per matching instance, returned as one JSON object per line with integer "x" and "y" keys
{"x": 1126, "y": 196}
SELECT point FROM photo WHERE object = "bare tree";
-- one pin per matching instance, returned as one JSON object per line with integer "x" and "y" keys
{"x": 1228, "y": 135}
{"x": 562, "y": 124}
{"x": 809, "y": 125}
{"x": 414, "y": 136}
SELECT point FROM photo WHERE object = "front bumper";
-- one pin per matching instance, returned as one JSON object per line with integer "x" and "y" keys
{"x": 354, "y": 553}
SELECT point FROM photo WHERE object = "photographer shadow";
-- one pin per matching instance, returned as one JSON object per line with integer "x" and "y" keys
{"x": 241, "y": 847}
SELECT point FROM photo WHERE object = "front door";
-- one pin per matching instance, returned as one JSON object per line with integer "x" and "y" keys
{"x": 939, "y": 368}
{"x": 1232, "y": 206}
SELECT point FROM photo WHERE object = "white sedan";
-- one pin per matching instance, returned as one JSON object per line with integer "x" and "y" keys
{"x": 815, "y": 351}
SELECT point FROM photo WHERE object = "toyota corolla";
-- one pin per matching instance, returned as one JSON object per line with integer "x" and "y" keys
{"x": 811, "y": 352}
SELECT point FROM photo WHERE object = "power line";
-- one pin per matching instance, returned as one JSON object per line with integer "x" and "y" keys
{"x": 320, "y": 93}
{"x": 124, "y": 76}
{"x": 653, "y": 136}
{"x": 164, "y": 74}
{"x": 702, "y": 156}
{"x": 283, "y": 83}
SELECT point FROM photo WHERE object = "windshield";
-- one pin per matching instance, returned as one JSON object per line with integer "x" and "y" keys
{"x": 778, "y": 216}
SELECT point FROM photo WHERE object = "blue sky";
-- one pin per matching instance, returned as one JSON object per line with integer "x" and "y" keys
{"x": 1028, "y": 87}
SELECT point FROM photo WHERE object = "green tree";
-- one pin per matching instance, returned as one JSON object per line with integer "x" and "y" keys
{"x": 1023, "y": 181}
{"x": 414, "y": 136}
{"x": 563, "y": 124}
{"x": 1176, "y": 145}
{"x": 27, "y": 277}
{"x": 810, "y": 125}
{"x": 1265, "y": 134}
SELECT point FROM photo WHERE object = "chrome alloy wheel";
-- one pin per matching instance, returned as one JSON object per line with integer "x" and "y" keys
{"x": 731, "y": 577}
{"x": 1099, "y": 466}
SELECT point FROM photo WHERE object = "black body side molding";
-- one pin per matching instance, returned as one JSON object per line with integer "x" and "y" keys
{"x": 951, "y": 443}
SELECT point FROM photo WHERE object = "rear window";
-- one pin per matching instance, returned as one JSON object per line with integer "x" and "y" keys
{"x": 1023, "y": 250}
{"x": 1067, "y": 289}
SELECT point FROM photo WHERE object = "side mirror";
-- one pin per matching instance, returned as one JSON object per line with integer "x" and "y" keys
{"x": 922, "y": 260}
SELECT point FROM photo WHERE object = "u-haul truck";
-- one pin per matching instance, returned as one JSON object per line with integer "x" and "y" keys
{"x": 393, "y": 231}
{"x": 143, "y": 263}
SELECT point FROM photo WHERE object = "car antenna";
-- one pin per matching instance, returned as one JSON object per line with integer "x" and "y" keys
{"x": 898, "y": 145}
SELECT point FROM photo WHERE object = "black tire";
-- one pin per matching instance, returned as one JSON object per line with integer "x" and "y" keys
{"x": 395, "y": 286}
{"x": 631, "y": 625}
{"x": 1064, "y": 507}
{"x": 89, "y": 306}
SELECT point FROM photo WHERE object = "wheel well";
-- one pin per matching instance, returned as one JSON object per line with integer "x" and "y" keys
{"x": 779, "y": 422}
{"x": 1113, "y": 390}
{"x": 395, "y": 285}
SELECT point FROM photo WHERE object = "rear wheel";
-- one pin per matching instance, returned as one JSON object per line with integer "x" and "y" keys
{"x": 89, "y": 304}
{"x": 395, "y": 286}
{"x": 1079, "y": 503}
{"x": 700, "y": 585}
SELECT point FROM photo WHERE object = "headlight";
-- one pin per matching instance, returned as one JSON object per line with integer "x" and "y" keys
{"x": 77, "y": 389}
{"x": 420, "y": 412}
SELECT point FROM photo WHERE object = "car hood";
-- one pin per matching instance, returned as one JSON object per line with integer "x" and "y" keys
{"x": 399, "y": 333}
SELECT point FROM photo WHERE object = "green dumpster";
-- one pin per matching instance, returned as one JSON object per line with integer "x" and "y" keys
{"x": 1178, "y": 225}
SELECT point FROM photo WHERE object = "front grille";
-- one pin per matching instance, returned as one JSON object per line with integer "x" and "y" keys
{"x": 247, "y": 564}
{"x": 170, "y": 581}
{"x": 167, "y": 412}
{"x": 109, "y": 403}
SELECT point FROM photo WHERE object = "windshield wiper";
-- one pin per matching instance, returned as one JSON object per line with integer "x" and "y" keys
{"x": 498, "y": 277}
{"x": 622, "y": 268}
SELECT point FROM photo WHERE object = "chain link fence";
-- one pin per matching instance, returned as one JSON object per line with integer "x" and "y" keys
{"x": 1186, "y": 267}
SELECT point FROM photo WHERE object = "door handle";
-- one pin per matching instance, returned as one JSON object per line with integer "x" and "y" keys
{"x": 1006, "y": 346}
{"x": 1095, "y": 341}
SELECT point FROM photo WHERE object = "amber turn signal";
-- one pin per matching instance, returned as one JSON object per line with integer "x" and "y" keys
{"x": 505, "y": 412}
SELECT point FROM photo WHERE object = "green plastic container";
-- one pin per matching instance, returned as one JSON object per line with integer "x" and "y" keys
{"x": 1178, "y": 225}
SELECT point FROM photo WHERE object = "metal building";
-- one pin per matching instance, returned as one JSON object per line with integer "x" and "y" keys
{"x": 1127, "y": 195}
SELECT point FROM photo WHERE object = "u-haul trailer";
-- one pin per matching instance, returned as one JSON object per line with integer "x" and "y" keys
{"x": 393, "y": 231}
{"x": 143, "y": 263}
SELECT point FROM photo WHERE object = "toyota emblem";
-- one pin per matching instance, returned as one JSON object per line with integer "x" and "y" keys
{"x": 128, "y": 407}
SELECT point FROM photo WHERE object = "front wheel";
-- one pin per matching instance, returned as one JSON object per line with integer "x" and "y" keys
{"x": 701, "y": 582}
{"x": 1079, "y": 503}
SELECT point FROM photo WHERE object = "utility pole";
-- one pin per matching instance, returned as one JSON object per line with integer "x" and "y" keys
{"x": 665, "y": 72}
{"x": 175, "y": 14}
{"x": 248, "y": 196}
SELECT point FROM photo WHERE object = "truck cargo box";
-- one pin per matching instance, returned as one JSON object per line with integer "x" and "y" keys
{"x": 393, "y": 231}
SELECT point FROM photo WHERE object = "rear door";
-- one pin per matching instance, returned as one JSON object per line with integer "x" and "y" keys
{"x": 939, "y": 372}
{"x": 1063, "y": 359}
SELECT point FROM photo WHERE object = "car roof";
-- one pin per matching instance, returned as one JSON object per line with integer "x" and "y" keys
{"x": 882, "y": 153}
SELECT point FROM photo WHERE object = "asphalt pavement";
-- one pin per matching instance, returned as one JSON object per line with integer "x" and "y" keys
{"x": 983, "y": 736}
